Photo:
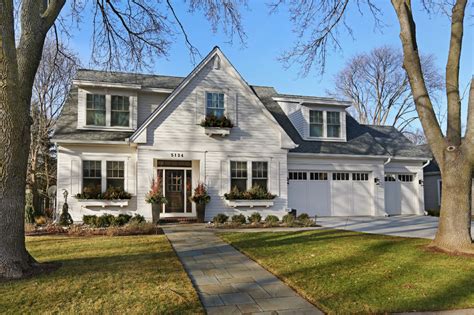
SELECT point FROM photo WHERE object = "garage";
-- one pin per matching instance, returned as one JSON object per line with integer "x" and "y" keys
{"x": 400, "y": 194}
{"x": 330, "y": 193}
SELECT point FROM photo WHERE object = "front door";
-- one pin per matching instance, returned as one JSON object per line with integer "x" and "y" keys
{"x": 174, "y": 191}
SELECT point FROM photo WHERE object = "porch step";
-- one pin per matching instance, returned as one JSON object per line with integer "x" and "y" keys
{"x": 178, "y": 220}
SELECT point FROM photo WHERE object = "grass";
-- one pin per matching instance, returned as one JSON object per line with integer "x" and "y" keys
{"x": 112, "y": 275}
{"x": 350, "y": 272}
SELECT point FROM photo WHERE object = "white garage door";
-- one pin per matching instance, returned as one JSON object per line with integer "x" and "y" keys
{"x": 351, "y": 194}
{"x": 330, "y": 193}
{"x": 400, "y": 194}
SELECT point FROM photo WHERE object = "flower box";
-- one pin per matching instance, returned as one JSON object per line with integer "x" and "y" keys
{"x": 84, "y": 203}
{"x": 249, "y": 203}
{"x": 220, "y": 131}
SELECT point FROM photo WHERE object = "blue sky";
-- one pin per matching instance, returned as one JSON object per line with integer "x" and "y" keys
{"x": 269, "y": 35}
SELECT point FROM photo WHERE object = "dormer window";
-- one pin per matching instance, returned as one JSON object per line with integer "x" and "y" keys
{"x": 120, "y": 111}
{"x": 316, "y": 123}
{"x": 95, "y": 110}
{"x": 215, "y": 104}
{"x": 324, "y": 124}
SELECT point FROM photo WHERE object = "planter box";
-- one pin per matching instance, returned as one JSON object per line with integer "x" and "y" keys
{"x": 211, "y": 131}
{"x": 84, "y": 203}
{"x": 249, "y": 203}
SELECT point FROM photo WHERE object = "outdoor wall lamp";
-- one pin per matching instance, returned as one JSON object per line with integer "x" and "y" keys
{"x": 421, "y": 182}
{"x": 377, "y": 181}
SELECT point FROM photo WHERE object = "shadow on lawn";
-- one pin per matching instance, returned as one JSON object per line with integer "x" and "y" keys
{"x": 397, "y": 281}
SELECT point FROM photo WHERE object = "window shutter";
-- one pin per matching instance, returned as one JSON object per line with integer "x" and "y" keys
{"x": 224, "y": 177}
{"x": 231, "y": 107}
{"x": 75, "y": 177}
{"x": 200, "y": 106}
{"x": 274, "y": 180}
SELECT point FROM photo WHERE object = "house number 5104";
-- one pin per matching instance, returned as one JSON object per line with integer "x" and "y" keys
{"x": 178, "y": 155}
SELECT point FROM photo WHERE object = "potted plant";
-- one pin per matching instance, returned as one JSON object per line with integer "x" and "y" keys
{"x": 156, "y": 199}
{"x": 200, "y": 198}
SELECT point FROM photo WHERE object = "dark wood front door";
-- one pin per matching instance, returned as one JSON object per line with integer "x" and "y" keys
{"x": 174, "y": 191}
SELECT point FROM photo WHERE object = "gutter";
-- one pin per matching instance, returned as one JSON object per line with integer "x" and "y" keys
{"x": 388, "y": 160}
{"x": 426, "y": 164}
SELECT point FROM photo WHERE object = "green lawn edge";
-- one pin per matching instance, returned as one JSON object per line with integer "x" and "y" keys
{"x": 351, "y": 272}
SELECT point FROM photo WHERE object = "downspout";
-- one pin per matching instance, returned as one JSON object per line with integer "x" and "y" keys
{"x": 385, "y": 163}
{"x": 426, "y": 164}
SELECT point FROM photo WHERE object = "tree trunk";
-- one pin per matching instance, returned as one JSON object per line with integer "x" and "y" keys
{"x": 454, "y": 230}
{"x": 15, "y": 262}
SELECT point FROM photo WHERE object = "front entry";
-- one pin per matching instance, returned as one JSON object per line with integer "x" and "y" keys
{"x": 177, "y": 186}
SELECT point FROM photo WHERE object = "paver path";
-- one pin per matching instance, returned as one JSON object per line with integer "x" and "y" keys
{"x": 227, "y": 281}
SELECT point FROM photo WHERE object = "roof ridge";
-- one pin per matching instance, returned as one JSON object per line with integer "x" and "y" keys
{"x": 130, "y": 73}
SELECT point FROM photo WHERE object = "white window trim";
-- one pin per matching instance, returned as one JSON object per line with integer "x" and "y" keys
{"x": 249, "y": 171}
{"x": 342, "y": 132}
{"x": 226, "y": 112}
{"x": 108, "y": 110}
{"x": 103, "y": 171}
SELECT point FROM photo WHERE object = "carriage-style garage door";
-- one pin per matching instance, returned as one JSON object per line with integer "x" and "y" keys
{"x": 330, "y": 193}
{"x": 400, "y": 194}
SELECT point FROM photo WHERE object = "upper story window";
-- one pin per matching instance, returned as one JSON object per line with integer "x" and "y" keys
{"x": 120, "y": 111}
{"x": 324, "y": 124}
{"x": 215, "y": 104}
{"x": 316, "y": 123}
{"x": 95, "y": 110}
{"x": 333, "y": 124}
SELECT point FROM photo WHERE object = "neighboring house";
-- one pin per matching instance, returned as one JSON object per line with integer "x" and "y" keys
{"x": 433, "y": 189}
{"x": 123, "y": 130}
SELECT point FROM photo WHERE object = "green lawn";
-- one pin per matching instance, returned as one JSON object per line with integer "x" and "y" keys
{"x": 350, "y": 272}
{"x": 120, "y": 275}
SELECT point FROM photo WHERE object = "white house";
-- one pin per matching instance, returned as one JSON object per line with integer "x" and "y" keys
{"x": 124, "y": 129}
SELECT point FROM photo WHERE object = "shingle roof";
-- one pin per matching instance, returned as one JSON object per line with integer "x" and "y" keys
{"x": 361, "y": 139}
{"x": 66, "y": 127}
{"x": 145, "y": 80}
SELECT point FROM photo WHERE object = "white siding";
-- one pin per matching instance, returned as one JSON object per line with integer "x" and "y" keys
{"x": 70, "y": 159}
{"x": 147, "y": 103}
{"x": 253, "y": 138}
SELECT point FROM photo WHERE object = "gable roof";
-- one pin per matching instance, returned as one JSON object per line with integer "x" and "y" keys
{"x": 361, "y": 139}
{"x": 214, "y": 54}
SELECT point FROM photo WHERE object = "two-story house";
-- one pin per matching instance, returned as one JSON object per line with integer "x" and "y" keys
{"x": 124, "y": 130}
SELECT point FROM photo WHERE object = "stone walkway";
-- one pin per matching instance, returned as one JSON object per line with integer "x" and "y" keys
{"x": 229, "y": 282}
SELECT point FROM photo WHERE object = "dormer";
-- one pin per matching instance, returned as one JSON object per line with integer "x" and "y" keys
{"x": 315, "y": 118}
{"x": 106, "y": 106}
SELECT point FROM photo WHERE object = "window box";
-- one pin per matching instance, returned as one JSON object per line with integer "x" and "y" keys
{"x": 84, "y": 203}
{"x": 221, "y": 131}
{"x": 264, "y": 203}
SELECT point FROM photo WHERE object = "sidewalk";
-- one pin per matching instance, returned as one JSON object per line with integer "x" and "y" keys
{"x": 229, "y": 282}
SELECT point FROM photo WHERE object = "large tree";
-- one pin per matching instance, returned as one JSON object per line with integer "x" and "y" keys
{"x": 379, "y": 88}
{"x": 319, "y": 25}
{"x": 125, "y": 34}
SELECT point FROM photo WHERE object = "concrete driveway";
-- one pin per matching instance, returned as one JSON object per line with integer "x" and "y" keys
{"x": 406, "y": 226}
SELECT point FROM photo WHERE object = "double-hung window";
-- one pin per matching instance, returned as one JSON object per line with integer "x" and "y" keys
{"x": 115, "y": 174}
{"x": 120, "y": 111}
{"x": 92, "y": 176}
{"x": 215, "y": 104}
{"x": 260, "y": 174}
{"x": 95, "y": 110}
{"x": 333, "y": 124}
{"x": 316, "y": 123}
{"x": 238, "y": 175}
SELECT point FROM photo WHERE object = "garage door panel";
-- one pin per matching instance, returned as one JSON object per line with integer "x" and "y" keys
{"x": 341, "y": 194}
{"x": 318, "y": 198}
{"x": 361, "y": 191}
{"x": 400, "y": 194}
